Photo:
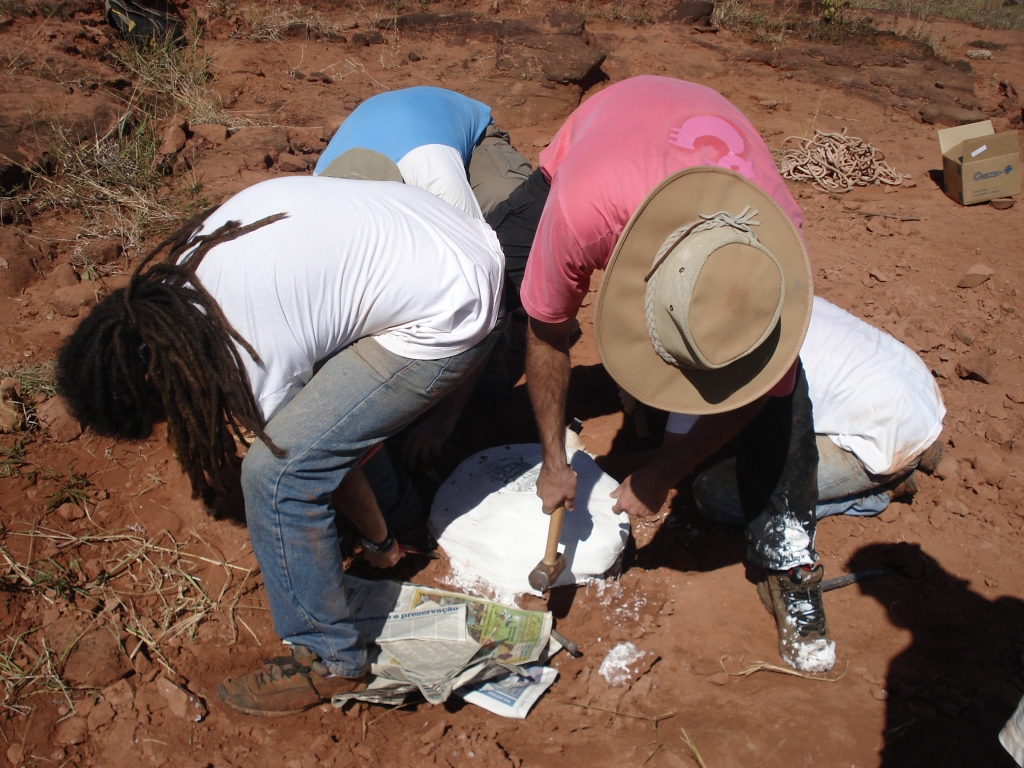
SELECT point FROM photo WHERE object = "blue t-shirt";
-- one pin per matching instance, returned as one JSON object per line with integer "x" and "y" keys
{"x": 396, "y": 122}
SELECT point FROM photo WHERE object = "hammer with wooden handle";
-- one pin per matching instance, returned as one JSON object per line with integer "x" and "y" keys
{"x": 550, "y": 568}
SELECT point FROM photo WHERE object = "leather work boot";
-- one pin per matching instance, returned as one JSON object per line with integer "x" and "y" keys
{"x": 930, "y": 459}
{"x": 793, "y": 597}
{"x": 286, "y": 685}
{"x": 904, "y": 488}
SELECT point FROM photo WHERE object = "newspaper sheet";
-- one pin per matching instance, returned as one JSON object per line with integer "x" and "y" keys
{"x": 436, "y": 641}
{"x": 512, "y": 696}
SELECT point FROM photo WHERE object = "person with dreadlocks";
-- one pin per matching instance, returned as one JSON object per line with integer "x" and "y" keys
{"x": 322, "y": 315}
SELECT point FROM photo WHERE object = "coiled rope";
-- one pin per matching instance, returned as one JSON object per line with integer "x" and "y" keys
{"x": 837, "y": 163}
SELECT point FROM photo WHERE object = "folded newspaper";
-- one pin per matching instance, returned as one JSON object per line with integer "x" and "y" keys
{"x": 436, "y": 642}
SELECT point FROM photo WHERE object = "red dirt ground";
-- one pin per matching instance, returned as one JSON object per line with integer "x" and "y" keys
{"x": 929, "y": 657}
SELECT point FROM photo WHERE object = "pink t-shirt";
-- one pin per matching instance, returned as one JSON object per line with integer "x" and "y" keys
{"x": 608, "y": 156}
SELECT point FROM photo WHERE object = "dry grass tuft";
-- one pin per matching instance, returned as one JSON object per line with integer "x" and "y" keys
{"x": 986, "y": 14}
{"x": 269, "y": 20}
{"x": 149, "y": 590}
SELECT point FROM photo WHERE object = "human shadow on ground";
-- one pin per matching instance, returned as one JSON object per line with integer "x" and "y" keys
{"x": 953, "y": 688}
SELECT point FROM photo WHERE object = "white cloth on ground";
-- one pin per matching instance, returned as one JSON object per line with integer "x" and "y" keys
{"x": 871, "y": 394}
{"x": 489, "y": 521}
{"x": 439, "y": 170}
{"x": 351, "y": 259}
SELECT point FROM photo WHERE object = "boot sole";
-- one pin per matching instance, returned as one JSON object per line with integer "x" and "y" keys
{"x": 222, "y": 695}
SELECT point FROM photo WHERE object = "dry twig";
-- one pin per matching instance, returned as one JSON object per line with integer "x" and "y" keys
{"x": 763, "y": 666}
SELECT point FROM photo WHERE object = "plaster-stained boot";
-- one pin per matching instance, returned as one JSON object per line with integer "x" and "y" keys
{"x": 793, "y": 597}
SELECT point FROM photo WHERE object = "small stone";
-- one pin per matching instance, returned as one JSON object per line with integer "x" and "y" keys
{"x": 719, "y": 678}
{"x": 14, "y": 753}
{"x": 879, "y": 694}
{"x": 70, "y": 512}
{"x": 413, "y": 56}
{"x": 58, "y": 421}
{"x": 963, "y": 335}
{"x": 96, "y": 661}
{"x": 851, "y": 206}
{"x": 120, "y": 695}
{"x": 102, "y": 251}
{"x": 211, "y": 132}
{"x": 71, "y": 300}
{"x": 975, "y": 276}
{"x": 977, "y": 365}
{"x": 363, "y": 751}
{"x": 940, "y": 85}
{"x": 1000, "y": 433}
{"x": 102, "y": 714}
{"x": 290, "y": 163}
{"x": 435, "y": 733}
{"x": 74, "y": 730}
{"x": 948, "y": 468}
{"x": 954, "y": 506}
{"x": 1002, "y": 203}
{"x": 64, "y": 276}
{"x": 990, "y": 466}
{"x": 173, "y": 140}
{"x": 878, "y": 275}
{"x": 181, "y": 702}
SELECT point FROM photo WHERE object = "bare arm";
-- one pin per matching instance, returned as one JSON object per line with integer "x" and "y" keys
{"x": 645, "y": 491}
{"x": 547, "y": 379}
{"x": 355, "y": 499}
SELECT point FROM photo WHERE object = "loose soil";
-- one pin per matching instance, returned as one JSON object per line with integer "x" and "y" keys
{"x": 929, "y": 656}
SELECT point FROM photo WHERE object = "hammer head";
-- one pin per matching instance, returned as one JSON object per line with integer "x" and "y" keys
{"x": 546, "y": 574}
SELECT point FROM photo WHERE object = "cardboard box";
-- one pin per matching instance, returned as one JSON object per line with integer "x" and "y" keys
{"x": 979, "y": 164}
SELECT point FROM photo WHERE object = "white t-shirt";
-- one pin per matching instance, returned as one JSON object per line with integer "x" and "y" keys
{"x": 439, "y": 170}
{"x": 871, "y": 394}
{"x": 352, "y": 259}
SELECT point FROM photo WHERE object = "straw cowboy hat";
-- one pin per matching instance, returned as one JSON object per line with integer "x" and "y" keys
{"x": 706, "y": 297}
{"x": 364, "y": 164}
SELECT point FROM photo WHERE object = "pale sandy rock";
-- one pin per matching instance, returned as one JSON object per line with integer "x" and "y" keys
{"x": 976, "y": 275}
{"x": 182, "y": 703}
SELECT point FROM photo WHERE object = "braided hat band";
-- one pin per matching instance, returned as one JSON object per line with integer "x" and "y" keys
{"x": 672, "y": 282}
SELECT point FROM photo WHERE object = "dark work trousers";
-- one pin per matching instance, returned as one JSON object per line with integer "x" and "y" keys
{"x": 777, "y": 471}
{"x": 515, "y": 222}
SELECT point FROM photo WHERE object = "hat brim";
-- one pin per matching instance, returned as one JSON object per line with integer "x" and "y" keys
{"x": 364, "y": 165}
{"x": 620, "y": 327}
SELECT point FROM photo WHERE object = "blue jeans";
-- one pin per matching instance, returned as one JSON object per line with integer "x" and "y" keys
{"x": 845, "y": 487}
{"x": 361, "y": 396}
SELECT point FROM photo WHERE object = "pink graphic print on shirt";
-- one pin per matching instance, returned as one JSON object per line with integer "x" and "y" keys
{"x": 696, "y": 128}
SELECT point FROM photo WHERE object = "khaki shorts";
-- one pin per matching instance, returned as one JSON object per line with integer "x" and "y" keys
{"x": 496, "y": 169}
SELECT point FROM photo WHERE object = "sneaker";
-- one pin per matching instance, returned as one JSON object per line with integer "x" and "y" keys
{"x": 793, "y": 597}
{"x": 286, "y": 685}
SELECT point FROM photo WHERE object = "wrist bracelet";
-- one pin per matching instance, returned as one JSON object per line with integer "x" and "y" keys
{"x": 378, "y": 549}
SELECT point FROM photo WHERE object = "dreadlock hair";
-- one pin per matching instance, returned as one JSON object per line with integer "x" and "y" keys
{"x": 164, "y": 344}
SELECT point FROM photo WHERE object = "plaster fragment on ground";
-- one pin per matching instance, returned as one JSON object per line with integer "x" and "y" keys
{"x": 621, "y": 665}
